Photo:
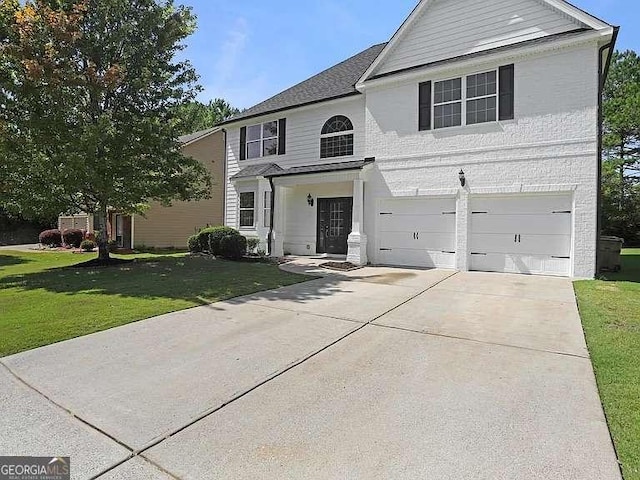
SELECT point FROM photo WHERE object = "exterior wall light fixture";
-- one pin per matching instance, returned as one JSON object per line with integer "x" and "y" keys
{"x": 463, "y": 179}
{"x": 310, "y": 200}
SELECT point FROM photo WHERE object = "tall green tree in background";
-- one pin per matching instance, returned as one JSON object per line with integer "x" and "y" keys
{"x": 198, "y": 116}
{"x": 89, "y": 91}
{"x": 621, "y": 143}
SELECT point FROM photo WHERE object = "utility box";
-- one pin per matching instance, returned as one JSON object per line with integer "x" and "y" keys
{"x": 610, "y": 251}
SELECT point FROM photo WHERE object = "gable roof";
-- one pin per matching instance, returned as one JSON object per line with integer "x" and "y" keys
{"x": 336, "y": 82}
{"x": 582, "y": 19}
{"x": 193, "y": 137}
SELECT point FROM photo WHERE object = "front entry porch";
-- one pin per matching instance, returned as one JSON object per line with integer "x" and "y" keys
{"x": 319, "y": 213}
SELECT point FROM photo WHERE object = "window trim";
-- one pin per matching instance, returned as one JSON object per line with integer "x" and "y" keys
{"x": 464, "y": 99}
{"x": 343, "y": 133}
{"x": 266, "y": 209}
{"x": 241, "y": 209}
{"x": 262, "y": 139}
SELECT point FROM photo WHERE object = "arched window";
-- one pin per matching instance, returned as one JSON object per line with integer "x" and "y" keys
{"x": 336, "y": 139}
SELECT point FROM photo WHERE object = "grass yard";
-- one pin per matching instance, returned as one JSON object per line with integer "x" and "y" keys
{"x": 43, "y": 299}
{"x": 610, "y": 310}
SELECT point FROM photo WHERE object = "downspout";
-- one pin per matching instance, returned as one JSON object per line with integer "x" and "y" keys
{"x": 271, "y": 215}
{"x": 603, "y": 72}
{"x": 226, "y": 180}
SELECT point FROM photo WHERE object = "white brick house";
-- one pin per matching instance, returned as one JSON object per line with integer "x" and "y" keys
{"x": 469, "y": 141}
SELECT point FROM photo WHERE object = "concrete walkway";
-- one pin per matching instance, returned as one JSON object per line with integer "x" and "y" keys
{"x": 378, "y": 373}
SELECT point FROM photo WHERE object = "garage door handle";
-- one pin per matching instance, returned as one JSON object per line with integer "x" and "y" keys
{"x": 385, "y": 249}
{"x": 515, "y": 238}
{"x": 417, "y": 235}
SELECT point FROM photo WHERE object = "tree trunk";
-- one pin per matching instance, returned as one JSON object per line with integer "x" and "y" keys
{"x": 102, "y": 239}
{"x": 622, "y": 189}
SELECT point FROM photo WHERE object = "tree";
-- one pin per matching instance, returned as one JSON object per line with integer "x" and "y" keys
{"x": 198, "y": 116}
{"x": 621, "y": 144}
{"x": 88, "y": 95}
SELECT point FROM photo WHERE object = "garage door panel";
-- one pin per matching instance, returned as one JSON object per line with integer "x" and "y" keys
{"x": 551, "y": 245}
{"x": 418, "y": 258}
{"x": 522, "y": 204}
{"x": 522, "y": 224}
{"x": 418, "y": 206}
{"x": 432, "y": 241}
{"x": 419, "y": 232}
{"x": 513, "y": 263}
{"x": 437, "y": 223}
{"x": 522, "y": 234}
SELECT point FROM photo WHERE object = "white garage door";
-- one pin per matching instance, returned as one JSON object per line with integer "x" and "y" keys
{"x": 522, "y": 234}
{"x": 417, "y": 232}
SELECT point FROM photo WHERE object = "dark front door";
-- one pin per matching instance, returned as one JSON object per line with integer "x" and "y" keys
{"x": 334, "y": 224}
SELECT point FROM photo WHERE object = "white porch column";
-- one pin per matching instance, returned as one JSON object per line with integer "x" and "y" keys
{"x": 277, "y": 235}
{"x": 357, "y": 241}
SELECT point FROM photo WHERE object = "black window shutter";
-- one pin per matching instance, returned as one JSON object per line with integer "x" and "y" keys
{"x": 424, "y": 106}
{"x": 243, "y": 143}
{"x": 507, "y": 92}
{"x": 282, "y": 136}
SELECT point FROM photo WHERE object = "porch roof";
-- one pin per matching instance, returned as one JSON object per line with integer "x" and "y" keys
{"x": 257, "y": 171}
{"x": 319, "y": 168}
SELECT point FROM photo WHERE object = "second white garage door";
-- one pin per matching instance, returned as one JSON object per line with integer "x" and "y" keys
{"x": 417, "y": 232}
{"x": 522, "y": 234}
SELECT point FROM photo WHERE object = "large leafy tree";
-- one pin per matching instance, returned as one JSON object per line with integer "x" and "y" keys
{"x": 621, "y": 142}
{"x": 89, "y": 91}
{"x": 198, "y": 116}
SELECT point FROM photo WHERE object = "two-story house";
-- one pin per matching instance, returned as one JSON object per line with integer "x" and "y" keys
{"x": 470, "y": 141}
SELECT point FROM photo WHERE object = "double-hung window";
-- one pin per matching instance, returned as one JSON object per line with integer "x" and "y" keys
{"x": 262, "y": 140}
{"x": 247, "y": 209}
{"x": 447, "y": 103}
{"x": 469, "y": 100}
{"x": 482, "y": 98}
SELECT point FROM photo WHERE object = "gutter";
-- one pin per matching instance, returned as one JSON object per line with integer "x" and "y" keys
{"x": 603, "y": 72}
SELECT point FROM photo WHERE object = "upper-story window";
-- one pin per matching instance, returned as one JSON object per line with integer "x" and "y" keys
{"x": 262, "y": 140}
{"x": 478, "y": 98}
{"x": 336, "y": 139}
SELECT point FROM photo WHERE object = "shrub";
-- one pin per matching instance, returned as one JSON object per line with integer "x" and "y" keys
{"x": 112, "y": 245}
{"x": 88, "y": 245}
{"x": 194, "y": 244}
{"x": 72, "y": 237}
{"x": 51, "y": 238}
{"x": 90, "y": 236}
{"x": 233, "y": 247}
{"x": 209, "y": 238}
{"x": 252, "y": 244}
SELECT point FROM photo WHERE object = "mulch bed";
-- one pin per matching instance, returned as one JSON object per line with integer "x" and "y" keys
{"x": 340, "y": 266}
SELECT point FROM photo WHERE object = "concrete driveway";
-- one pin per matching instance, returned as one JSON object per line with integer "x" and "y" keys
{"x": 380, "y": 373}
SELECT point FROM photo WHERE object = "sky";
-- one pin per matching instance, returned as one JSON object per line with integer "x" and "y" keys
{"x": 246, "y": 51}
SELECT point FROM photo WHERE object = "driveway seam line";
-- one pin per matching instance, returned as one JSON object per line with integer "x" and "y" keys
{"x": 564, "y": 302}
{"x": 159, "y": 467}
{"x": 302, "y": 312}
{"x": 484, "y": 342}
{"x": 66, "y": 410}
{"x": 208, "y": 413}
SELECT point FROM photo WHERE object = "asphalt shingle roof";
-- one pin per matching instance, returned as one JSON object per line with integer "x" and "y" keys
{"x": 257, "y": 171}
{"x": 336, "y": 82}
{"x": 194, "y": 136}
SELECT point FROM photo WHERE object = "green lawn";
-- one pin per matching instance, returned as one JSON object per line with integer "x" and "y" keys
{"x": 610, "y": 310}
{"x": 41, "y": 302}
